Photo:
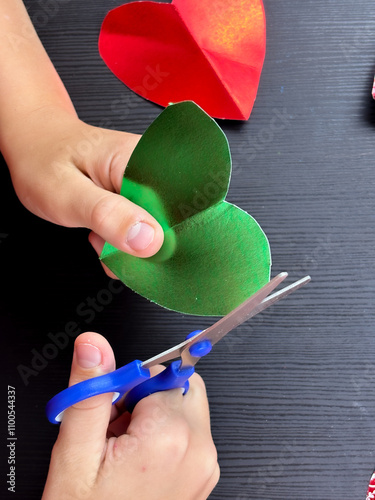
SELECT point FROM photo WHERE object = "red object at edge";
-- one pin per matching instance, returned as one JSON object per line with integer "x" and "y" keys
{"x": 208, "y": 52}
{"x": 371, "y": 488}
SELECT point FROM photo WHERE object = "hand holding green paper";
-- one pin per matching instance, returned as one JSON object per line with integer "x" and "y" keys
{"x": 214, "y": 255}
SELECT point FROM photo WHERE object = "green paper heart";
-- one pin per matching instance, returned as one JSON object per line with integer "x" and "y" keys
{"x": 214, "y": 255}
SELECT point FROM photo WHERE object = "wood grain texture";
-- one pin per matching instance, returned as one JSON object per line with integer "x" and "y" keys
{"x": 292, "y": 392}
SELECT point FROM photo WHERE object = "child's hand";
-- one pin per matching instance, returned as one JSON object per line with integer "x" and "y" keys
{"x": 163, "y": 451}
{"x": 63, "y": 169}
{"x": 68, "y": 172}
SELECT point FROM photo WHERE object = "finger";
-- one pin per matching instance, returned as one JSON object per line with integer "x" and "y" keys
{"x": 178, "y": 425}
{"x": 117, "y": 220}
{"x": 120, "y": 406}
{"x": 120, "y": 418}
{"x": 195, "y": 404}
{"x": 211, "y": 483}
{"x": 84, "y": 425}
{"x": 109, "y": 174}
{"x": 98, "y": 243}
{"x": 74, "y": 200}
{"x": 119, "y": 426}
{"x": 196, "y": 412}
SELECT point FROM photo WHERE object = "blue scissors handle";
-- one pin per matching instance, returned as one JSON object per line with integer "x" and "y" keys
{"x": 172, "y": 377}
{"x": 132, "y": 378}
{"x": 175, "y": 376}
{"x": 135, "y": 377}
{"x": 120, "y": 381}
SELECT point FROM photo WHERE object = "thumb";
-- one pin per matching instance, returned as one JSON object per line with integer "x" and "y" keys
{"x": 117, "y": 220}
{"x": 84, "y": 426}
{"x": 79, "y": 202}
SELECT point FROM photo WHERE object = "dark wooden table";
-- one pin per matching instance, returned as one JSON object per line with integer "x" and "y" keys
{"x": 292, "y": 392}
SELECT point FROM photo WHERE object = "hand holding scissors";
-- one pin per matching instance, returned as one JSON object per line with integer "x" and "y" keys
{"x": 134, "y": 378}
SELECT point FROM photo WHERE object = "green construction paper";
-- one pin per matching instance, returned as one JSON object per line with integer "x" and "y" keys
{"x": 214, "y": 255}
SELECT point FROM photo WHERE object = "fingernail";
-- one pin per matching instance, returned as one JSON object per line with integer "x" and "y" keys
{"x": 88, "y": 356}
{"x": 140, "y": 236}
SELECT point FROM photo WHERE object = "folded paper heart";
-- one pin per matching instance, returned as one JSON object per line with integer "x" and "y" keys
{"x": 207, "y": 51}
{"x": 214, "y": 254}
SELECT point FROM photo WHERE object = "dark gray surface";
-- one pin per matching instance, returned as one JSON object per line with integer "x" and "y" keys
{"x": 292, "y": 392}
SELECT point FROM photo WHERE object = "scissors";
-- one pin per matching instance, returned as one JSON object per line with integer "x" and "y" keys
{"x": 134, "y": 379}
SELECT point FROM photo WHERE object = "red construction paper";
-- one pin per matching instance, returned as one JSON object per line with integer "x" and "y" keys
{"x": 371, "y": 488}
{"x": 207, "y": 51}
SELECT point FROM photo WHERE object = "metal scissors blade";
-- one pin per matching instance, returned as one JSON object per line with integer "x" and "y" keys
{"x": 134, "y": 378}
{"x": 252, "y": 306}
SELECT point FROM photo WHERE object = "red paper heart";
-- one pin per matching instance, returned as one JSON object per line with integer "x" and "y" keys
{"x": 207, "y": 51}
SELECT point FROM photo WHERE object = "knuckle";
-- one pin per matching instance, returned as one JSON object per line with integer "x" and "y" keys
{"x": 177, "y": 440}
{"x": 172, "y": 442}
{"x": 204, "y": 457}
{"x": 116, "y": 170}
{"x": 100, "y": 212}
{"x": 67, "y": 458}
{"x": 109, "y": 209}
{"x": 124, "y": 447}
{"x": 209, "y": 460}
{"x": 198, "y": 382}
{"x": 216, "y": 474}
